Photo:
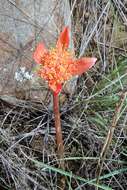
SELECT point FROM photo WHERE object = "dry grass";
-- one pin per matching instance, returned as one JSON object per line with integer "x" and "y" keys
{"x": 27, "y": 132}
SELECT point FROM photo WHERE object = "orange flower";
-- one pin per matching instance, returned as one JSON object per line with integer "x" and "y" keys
{"x": 58, "y": 64}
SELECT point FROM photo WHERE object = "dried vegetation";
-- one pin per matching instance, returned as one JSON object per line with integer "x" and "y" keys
{"x": 27, "y": 137}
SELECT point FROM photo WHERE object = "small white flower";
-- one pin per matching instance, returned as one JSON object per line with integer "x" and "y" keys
{"x": 18, "y": 77}
{"x": 28, "y": 76}
{"x": 22, "y": 70}
{"x": 22, "y": 75}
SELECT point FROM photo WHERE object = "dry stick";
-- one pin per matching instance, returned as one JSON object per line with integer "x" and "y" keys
{"x": 59, "y": 139}
{"x": 109, "y": 136}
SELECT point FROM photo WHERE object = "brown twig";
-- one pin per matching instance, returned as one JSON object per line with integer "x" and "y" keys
{"x": 59, "y": 139}
{"x": 109, "y": 136}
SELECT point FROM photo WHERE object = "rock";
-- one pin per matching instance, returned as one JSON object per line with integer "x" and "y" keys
{"x": 22, "y": 24}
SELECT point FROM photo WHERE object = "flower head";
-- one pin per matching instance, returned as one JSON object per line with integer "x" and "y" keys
{"x": 58, "y": 64}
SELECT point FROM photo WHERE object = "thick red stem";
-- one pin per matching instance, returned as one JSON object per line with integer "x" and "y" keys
{"x": 59, "y": 139}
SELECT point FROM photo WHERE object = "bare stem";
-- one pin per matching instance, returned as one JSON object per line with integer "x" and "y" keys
{"x": 59, "y": 139}
{"x": 108, "y": 139}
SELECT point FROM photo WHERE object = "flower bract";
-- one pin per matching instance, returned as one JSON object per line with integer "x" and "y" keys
{"x": 59, "y": 64}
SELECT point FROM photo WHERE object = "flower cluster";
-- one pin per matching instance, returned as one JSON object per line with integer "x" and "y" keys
{"x": 58, "y": 64}
{"x": 22, "y": 75}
